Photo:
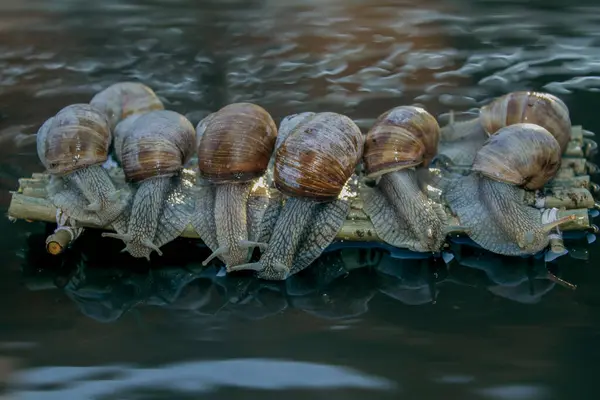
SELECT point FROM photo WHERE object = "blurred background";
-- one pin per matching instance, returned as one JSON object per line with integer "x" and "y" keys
{"x": 489, "y": 330}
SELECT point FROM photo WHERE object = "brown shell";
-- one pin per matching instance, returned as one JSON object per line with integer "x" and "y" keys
{"x": 123, "y": 99}
{"x": 156, "y": 144}
{"x": 402, "y": 137}
{"x": 78, "y": 136}
{"x": 318, "y": 157}
{"x": 542, "y": 109}
{"x": 237, "y": 143}
{"x": 526, "y": 155}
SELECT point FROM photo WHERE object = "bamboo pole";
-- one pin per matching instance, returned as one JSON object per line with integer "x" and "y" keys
{"x": 357, "y": 227}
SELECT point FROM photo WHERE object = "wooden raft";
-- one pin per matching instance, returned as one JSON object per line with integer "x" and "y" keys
{"x": 571, "y": 191}
{"x": 29, "y": 203}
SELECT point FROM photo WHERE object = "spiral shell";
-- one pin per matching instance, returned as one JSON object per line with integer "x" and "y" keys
{"x": 526, "y": 155}
{"x": 402, "y": 137}
{"x": 78, "y": 136}
{"x": 156, "y": 144}
{"x": 123, "y": 99}
{"x": 318, "y": 157}
{"x": 236, "y": 143}
{"x": 542, "y": 109}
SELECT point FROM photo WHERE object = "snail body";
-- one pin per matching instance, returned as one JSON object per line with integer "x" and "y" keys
{"x": 234, "y": 146}
{"x": 490, "y": 200}
{"x": 152, "y": 153}
{"x": 401, "y": 141}
{"x": 313, "y": 164}
{"x": 72, "y": 146}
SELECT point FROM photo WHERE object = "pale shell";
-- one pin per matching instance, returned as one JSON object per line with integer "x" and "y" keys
{"x": 526, "y": 155}
{"x": 542, "y": 109}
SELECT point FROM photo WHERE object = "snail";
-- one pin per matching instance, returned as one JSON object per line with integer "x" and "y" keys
{"x": 460, "y": 141}
{"x": 234, "y": 147}
{"x": 313, "y": 164}
{"x": 123, "y": 99}
{"x": 489, "y": 201}
{"x": 401, "y": 141}
{"x": 152, "y": 152}
{"x": 72, "y": 146}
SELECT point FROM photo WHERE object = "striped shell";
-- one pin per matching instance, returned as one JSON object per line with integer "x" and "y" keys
{"x": 155, "y": 144}
{"x": 78, "y": 136}
{"x": 318, "y": 157}
{"x": 526, "y": 155}
{"x": 402, "y": 137}
{"x": 542, "y": 109}
{"x": 123, "y": 99}
{"x": 236, "y": 143}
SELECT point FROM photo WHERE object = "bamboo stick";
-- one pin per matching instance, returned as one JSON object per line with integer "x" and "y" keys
{"x": 58, "y": 242}
{"x": 356, "y": 228}
{"x": 568, "y": 193}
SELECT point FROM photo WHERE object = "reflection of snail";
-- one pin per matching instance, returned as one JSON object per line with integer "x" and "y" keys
{"x": 152, "y": 151}
{"x": 312, "y": 166}
{"x": 412, "y": 282}
{"x": 522, "y": 280}
{"x": 489, "y": 202}
{"x": 402, "y": 139}
{"x": 345, "y": 297}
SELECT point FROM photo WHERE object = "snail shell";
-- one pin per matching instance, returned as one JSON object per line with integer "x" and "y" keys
{"x": 525, "y": 155}
{"x": 318, "y": 157}
{"x": 123, "y": 99}
{"x": 77, "y": 136}
{"x": 157, "y": 144}
{"x": 402, "y": 137}
{"x": 236, "y": 143}
{"x": 542, "y": 109}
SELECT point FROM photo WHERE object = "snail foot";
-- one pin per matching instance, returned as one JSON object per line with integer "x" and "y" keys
{"x": 126, "y": 237}
{"x": 141, "y": 249}
{"x": 116, "y": 195}
{"x": 527, "y": 239}
{"x": 278, "y": 270}
{"x": 95, "y": 206}
{"x": 242, "y": 244}
{"x": 448, "y": 229}
{"x": 218, "y": 252}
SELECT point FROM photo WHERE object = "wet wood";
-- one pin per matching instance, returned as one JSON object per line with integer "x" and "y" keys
{"x": 58, "y": 242}
{"x": 29, "y": 203}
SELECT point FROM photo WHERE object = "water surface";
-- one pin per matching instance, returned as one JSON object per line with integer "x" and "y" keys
{"x": 421, "y": 331}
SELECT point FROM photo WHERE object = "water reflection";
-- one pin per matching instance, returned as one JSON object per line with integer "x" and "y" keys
{"x": 339, "y": 285}
{"x": 190, "y": 378}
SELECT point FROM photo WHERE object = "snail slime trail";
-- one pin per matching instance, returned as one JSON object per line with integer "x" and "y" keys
{"x": 401, "y": 140}
{"x": 312, "y": 166}
{"x": 234, "y": 147}
{"x": 73, "y": 145}
{"x": 153, "y": 150}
